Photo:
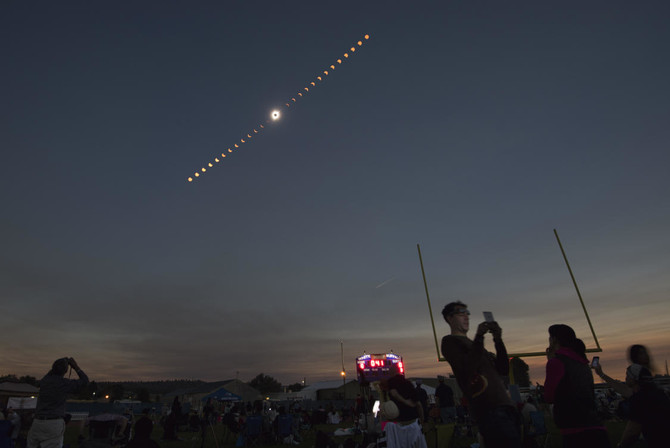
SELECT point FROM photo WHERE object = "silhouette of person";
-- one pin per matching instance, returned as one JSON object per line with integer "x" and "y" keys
{"x": 48, "y": 425}
{"x": 480, "y": 377}
{"x": 569, "y": 386}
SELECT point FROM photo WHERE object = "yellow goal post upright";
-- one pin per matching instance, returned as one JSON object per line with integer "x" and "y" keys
{"x": 516, "y": 355}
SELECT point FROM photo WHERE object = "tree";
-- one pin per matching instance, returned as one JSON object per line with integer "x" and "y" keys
{"x": 116, "y": 393}
{"x": 520, "y": 372}
{"x": 29, "y": 380}
{"x": 295, "y": 387}
{"x": 143, "y": 395}
{"x": 87, "y": 392}
{"x": 265, "y": 384}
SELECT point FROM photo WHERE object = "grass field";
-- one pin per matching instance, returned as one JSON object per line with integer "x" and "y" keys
{"x": 218, "y": 437}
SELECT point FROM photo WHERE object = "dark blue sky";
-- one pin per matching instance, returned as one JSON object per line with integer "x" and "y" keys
{"x": 472, "y": 128}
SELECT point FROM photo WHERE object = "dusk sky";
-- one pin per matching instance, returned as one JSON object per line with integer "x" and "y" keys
{"x": 472, "y": 128}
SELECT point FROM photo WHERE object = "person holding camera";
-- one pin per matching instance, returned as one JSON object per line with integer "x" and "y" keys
{"x": 480, "y": 376}
{"x": 48, "y": 425}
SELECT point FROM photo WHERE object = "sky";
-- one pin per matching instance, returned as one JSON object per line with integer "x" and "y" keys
{"x": 470, "y": 128}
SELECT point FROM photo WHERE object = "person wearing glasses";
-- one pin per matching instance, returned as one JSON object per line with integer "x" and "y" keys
{"x": 480, "y": 374}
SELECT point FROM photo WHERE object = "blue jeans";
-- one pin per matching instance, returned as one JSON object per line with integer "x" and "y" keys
{"x": 501, "y": 428}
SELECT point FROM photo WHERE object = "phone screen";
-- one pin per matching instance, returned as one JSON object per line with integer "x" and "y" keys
{"x": 596, "y": 361}
{"x": 488, "y": 316}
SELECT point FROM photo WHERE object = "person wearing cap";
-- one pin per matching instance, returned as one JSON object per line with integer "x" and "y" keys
{"x": 48, "y": 425}
{"x": 480, "y": 374}
{"x": 649, "y": 410}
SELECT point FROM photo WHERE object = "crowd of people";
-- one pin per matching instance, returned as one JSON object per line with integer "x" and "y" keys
{"x": 486, "y": 402}
{"x": 568, "y": 387}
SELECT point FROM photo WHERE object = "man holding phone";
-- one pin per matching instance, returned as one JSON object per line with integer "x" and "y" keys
{"x": 480, "y": 376}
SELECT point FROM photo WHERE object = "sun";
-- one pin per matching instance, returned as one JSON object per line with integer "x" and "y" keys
{"x": 275, "y": 114}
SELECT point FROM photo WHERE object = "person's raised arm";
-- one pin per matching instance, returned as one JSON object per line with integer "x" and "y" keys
{"x": 502, "y": 361}
{"x": 478, "y": 341}
{"x": 83, "y": 378}
{"x": 617, "y": 385}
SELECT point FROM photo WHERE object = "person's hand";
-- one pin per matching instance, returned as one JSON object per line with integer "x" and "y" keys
{"x": 482, "y": 329}
{"x": 73, "y": 363}
{"x": 551, "y": 352}
{"x": 598, "y": 369}
{"x": 495, "y": 329}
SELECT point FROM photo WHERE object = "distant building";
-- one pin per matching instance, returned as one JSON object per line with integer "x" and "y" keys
{"x": 16, "y": 390}
{"x": 230, "y": 388}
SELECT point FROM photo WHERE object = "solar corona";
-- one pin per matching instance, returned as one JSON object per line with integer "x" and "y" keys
{"x": 275, "y": 115}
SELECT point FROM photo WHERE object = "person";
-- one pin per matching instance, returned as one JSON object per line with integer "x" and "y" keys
{"x": 142, "y": 434}
{"x": 480, "y": 376}
{"x": 637, "y": 354}
{"x": 649, "y": 410}
{"x": 422, "y": 396}
{"x": 569, "y": 386}
{"x": 333, "y": 418}
{"x": 172, "y": 420}
{"x": 48, "y": 425}
{"x": 405, "y": 430}
{"x": 445, "y": 401}
{"x": 527, "y": 407}
{"x": 15, "y": 419}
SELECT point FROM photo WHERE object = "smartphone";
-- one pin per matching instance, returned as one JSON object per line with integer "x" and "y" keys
{"x": 488, "y": 316}
{"x": 595, "y": 362}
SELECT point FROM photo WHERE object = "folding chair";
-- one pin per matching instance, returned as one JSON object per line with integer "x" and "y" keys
{"x": 284, "y": 426}
{"x": 5, "y": 430}
{"x": 538, "y": 427}
{"x": 254, "y": 430}
{"x": 100, "y": 434}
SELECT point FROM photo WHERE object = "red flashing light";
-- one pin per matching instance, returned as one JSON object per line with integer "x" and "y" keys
{"x": 401, "y": 367}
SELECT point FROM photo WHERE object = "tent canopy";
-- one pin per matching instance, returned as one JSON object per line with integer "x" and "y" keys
{"x": 222, "y": 395}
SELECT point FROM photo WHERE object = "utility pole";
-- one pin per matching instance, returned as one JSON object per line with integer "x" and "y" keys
{"x": 343, "y": 373}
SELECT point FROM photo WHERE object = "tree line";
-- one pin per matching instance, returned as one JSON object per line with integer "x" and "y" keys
{"x": 151, "y": 391}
